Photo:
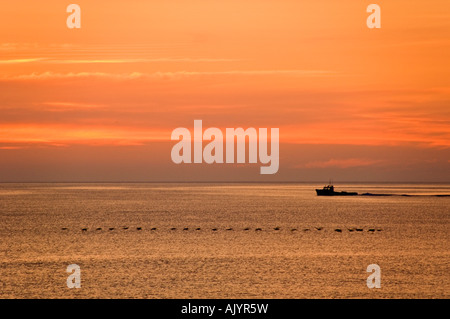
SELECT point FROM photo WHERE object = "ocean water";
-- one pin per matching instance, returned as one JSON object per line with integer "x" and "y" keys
{"x": 223, "y": 241}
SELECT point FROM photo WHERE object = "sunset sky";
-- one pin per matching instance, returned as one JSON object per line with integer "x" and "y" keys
{"x": 99, "y": 103}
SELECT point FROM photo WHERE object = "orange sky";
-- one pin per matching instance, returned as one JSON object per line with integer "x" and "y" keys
{"x": 351, "y": 102}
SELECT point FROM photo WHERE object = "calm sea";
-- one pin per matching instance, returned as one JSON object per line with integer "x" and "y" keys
{"x": 223, "y": 241}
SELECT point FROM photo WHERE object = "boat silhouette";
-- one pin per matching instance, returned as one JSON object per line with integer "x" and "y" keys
{"x": 328, "y": 190}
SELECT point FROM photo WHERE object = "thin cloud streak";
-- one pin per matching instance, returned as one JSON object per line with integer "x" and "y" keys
{"x": 17, "y": 61}
{"x": 70, "y": 75}
{"x": 67, "y": 135}
{"x": 64, "y": 106}
{"x": 116, "y": 61}
{"x": 341, "y": 163}
{"x": 177, "y": 74}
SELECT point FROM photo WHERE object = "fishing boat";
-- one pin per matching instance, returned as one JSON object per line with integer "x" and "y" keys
{"x": 328, "y": 190}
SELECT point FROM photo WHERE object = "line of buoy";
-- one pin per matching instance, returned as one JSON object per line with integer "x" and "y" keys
{"x": 338, "y": 230}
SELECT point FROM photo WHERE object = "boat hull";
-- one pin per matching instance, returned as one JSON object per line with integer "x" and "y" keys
{"x": 321, "y": 192}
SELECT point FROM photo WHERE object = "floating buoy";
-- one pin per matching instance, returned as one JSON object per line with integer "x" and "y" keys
{"x": 338, "y": 230}
{"x": 138, "y": 228}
